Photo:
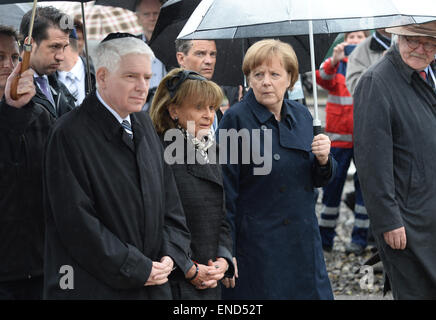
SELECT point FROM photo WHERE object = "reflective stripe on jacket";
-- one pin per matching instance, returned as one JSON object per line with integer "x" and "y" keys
{"x": 339, "y": 108}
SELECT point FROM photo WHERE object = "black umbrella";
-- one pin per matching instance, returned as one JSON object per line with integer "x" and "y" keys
{"x": 173, "y": 17}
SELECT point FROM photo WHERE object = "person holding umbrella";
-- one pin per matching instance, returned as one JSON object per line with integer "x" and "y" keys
{"x": 24, "y": 127}
{"x": 276, "y": 237}
{"x": 395, "y": 148}
{"x": 72, "y": 71}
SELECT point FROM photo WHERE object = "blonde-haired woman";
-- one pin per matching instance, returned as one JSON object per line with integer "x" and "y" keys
{"x": 183, "y": 110}
{"x": 275, "y": 231}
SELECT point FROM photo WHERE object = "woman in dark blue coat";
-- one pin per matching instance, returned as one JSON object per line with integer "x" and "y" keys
{"x": 270, "y": 194}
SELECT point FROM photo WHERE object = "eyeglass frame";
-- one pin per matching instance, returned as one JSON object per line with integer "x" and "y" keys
{"x": 182, "y": 76}
{"x": 424, "y": 44}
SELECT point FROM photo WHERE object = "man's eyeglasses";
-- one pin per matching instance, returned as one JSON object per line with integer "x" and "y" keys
{"x": 413, "y": 43}
{"x": 174, "y": 83}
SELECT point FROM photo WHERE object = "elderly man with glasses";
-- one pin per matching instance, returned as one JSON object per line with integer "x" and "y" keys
{"x": 395, "y": 148}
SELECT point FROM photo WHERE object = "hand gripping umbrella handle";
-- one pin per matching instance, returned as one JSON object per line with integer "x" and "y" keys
{"x": 24, "y": 66}
{"x": 25, "y": 63}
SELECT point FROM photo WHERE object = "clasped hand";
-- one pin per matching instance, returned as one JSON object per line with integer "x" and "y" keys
{"x": 160, "y": 271}
{"x": 208, "y": 275}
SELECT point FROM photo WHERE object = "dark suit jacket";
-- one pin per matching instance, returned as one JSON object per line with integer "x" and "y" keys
{"x": 201, "y": 191}
{"x": 112, "y": 207}
{"x": 23, "y": 133}
{"x": 91, "y": 75}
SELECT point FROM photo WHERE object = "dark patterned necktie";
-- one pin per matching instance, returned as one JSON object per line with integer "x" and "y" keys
{"x": 126, "y": 125}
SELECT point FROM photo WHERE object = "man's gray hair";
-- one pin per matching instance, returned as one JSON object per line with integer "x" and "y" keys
{"x": 108, "y": 54}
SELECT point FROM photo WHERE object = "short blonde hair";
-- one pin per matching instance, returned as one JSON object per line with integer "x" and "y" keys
{"x": 199, "y": 90}
{"x": 268, "y": 49}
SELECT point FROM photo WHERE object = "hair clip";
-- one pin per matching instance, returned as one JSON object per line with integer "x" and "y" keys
{"x": 175, "y": 81}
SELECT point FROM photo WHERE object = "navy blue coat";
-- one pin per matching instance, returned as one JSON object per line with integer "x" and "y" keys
{"x": 274, "y": 226}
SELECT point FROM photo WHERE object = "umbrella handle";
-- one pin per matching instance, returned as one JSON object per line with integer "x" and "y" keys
{"x": 317, "y": 128}
{"x": 25, "y": 63}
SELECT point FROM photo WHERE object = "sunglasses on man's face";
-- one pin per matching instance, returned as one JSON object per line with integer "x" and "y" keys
{"x": 174, "y": 82}
{"x": 414, "y": 43}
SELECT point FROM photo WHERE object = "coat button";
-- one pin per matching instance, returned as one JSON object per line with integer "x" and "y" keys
{"x": 286, "y": 222}
{"x": 276, "y": 156}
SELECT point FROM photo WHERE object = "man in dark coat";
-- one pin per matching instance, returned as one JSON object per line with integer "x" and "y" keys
{"x": 115, "y": 227}
{"x": 24, "y": 127}
{"x": 49, "y": 41}
{"x": 395, "y": 148}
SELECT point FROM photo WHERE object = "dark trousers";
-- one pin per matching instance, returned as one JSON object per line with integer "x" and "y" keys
{"x": 26, "y": 289}
{"x": 332, "y": 198}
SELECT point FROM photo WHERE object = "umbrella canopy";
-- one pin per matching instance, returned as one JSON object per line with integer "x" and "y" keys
{"x": 11, "y": 14}
{"x": 100, "y": 20}
{"x": 175, "y": 13}
{"x": 126, "y": 4}
{"x": 241, "y": 19}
